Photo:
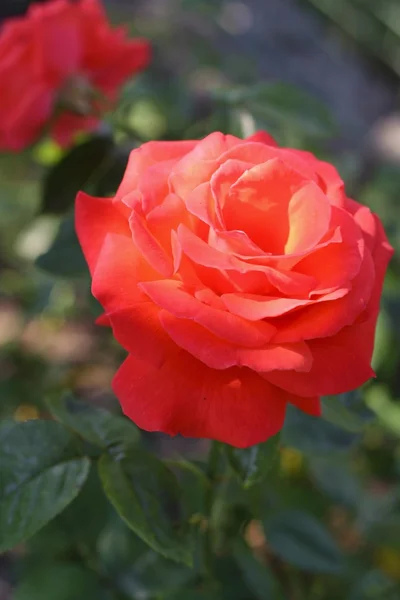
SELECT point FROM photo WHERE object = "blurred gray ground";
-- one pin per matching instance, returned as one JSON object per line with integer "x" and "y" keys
{"x": 273, "y": 40}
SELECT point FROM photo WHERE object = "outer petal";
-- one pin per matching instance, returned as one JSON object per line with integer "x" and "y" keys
{"x": 128, "y": 57}
{"x": 328, "y": 315}
{"x": 235, "y": 406}
{"x": 21, "y": 125}
{"x": 130, "y": 313}
{"x": 94, "y": 219}
{"x": 147, "y": 155}
{"x": 119, "y": 269}
{"x": 329, "y": 179}
{"x": 263, "y": 137}
{"x": 335, "y": 265}
{"x": 342, "y": 362}
{"x": 54, "y": 31}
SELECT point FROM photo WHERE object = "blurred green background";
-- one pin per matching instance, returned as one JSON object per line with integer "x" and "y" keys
{"x": 318, "y": 75}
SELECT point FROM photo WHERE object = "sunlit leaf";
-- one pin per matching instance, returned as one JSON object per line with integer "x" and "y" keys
{"x": 94, "y": 424}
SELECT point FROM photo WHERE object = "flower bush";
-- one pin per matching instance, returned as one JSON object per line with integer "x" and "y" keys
{"x": 253, "y": 294}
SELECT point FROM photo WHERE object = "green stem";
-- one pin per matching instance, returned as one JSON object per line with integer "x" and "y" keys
{"x": 296, "y": 584}
{"x": 212, "y": 472}
{"x": 91, "y": 561}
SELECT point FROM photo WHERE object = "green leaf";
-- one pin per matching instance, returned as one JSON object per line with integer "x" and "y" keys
{"x": 374, "y": 585}
{"x": 145, "y": 493}
{"x": 231, "y": 583}
{"x": 313, "y": 435}
{"x": 86, "y": 517}
{"x": 81, "y": 524}
{"x": 83, "y": 164}
{"x": 193, "y": 482}
{"x": 65, "y": 257}
{"x": 253, "y": 464}
{"x": 347, "y": 411}
{"x": 336, "y": 481}
{"x": 284, "y": 109}
{"x": 40, "y": 475}
{"x": 301, "y": 540}
{"x": 386, "y": 532}
{"x": 118, "y": 547}
{"x": 258, "y": 577}
{"x": 153, "y": 576}
{"x": 63, "y": 581}
{"x": 196, "y": 595}
{"x": 109, "y": 178}
{"x": 94, "y": 424}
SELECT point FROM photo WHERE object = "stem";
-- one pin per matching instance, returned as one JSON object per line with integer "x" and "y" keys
{"x": 212, "y": 472}
{"x": 296, "y": 584}
{"x": 91, "y": 561}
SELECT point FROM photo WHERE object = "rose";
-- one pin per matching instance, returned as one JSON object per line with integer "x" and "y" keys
{"x": 62, "y": 54}
{"x": 240, "y": 278}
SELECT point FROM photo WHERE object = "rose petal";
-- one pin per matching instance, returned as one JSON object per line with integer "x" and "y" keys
{"x": 258, "y": 203}
{"x": 199, "y": 164}
{"x": 103, "y": 321}
{"x": 329, "y": 179}
{"x": 335, "y": 264}
{"x": 201, "y": 204}
{"x": 262, "y": 137}
{"x": 54, "y": 31}
{"x": 183, "y": 396}
{"x": 149, "y": 246}
{"x": 309, "y": 217}
{"x": 171, "y": 296}
{"x": 237, "y": 243}
{"x": 342, "y": 362}
{"x": 219, "y": 354}
{"x": 330, "y": 313}
{"x": 254, "y": 307}
{"x": 95, "y": 218}
{"x": 119, "y": 268}
{"x": 203, "y": 254}
{"x": 222, "y": 181}
{"x": 147, "y": 155}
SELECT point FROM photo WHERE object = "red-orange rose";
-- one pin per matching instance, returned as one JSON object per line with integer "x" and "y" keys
{"x": 62, "y": 53}
{"x": 239, "y": 277}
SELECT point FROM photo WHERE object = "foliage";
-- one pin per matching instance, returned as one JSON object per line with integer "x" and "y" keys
{"x": 92, "y": 508}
